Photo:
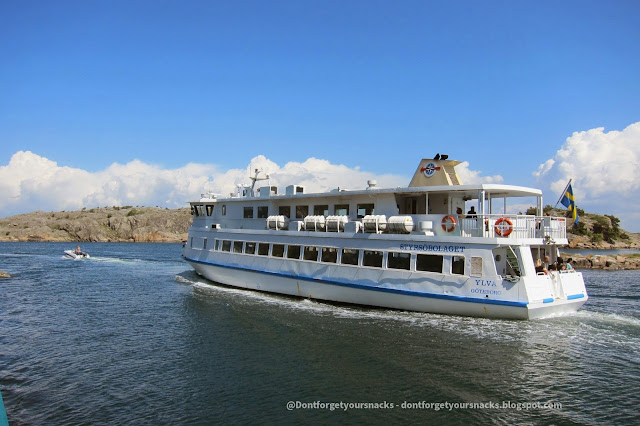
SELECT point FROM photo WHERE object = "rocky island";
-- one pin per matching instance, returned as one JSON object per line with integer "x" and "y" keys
{"x": 155, "y": 224}
{"x": 115, "y": 224}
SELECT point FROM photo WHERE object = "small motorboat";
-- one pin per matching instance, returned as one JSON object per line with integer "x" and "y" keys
{"x": 76, "y": 254}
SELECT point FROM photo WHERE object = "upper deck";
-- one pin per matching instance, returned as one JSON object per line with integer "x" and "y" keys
{"x": 424, "y": 208}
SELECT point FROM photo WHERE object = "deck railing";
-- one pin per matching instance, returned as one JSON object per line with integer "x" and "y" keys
{"x": 513, "y": 226}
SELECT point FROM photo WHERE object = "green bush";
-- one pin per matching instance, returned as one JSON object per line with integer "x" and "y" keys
{"x": 596, "y": 238}
{"x": 580, "y": 229}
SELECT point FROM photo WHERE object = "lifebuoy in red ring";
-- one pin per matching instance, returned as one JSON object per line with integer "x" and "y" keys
{"x": 448, "y": 223}
{"x": 503, "y": 227}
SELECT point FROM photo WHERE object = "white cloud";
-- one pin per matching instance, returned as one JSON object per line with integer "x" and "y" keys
{"x": 470, "y": 177}
{"x": 605, "y": 168}
{"x": 31, "y": 182}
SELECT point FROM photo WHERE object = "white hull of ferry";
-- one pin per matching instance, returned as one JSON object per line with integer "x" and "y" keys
{"x": 385, "y": 297}
{"x": 401, "y": 248}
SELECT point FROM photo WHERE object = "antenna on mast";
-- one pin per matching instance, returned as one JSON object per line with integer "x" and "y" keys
{"x": 256, "y": 177}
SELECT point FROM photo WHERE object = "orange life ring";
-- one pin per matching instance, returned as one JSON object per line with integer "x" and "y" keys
{"x": 503, "y": 230}
{"x": 448, "y": 223}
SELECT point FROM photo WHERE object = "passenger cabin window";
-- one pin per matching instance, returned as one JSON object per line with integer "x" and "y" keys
{"x": 250, "y": 248}
{"x": 372, "y": 258}
{"x": 399, "y": 260}
{"x": 226, "y": 245}
{"x": 237, "y": 246}
{"x": 457, "y": 265}
{"x": 350, "y": 256}
{"x": 429, "y": 263}
{"x": 248, "y": 213}
{"x": 321, "y": 210}
{"x": 209, "y": 210}
{"x": 204, "y": 243}
{"x": 277, "y": 250}
{"x": 364, "y": 210}
{"x": 329, "y": 254}
{"x": 293, "y": 252}
{"x": 216, "y": 246}
{"x": 310, "y": 253}
{"x": 224, "y": 210}
{"x": 284, "y": 211}
{"x": 302, "y": 211}
{"x": 263, "y": 249}
{"x": 263, "y": 212}
{"x": 341, "y": 209}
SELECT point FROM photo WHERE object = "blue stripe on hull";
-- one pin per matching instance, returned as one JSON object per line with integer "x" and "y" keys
{"x": 370, "y": 288}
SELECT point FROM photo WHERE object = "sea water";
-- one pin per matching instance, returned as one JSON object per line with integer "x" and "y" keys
{"x": 133, "y": 336}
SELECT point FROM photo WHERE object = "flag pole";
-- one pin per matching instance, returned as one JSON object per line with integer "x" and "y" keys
{"x": 564, "y": 191}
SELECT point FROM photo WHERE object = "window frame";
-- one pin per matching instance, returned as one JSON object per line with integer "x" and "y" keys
{"x": 357, "y": 257}
{"x": 341, "y": 209}
{"x": 261, "y": 249}
{"x": 321, "y": 210}
{"x": 394, "y": 260}
{"x": 302, "y": 211}
{"x": 277, "y": 250}
{"x": 364, "y": 206}
{"x": 328, "y": 255}
{"x": 284, "y": 211}
{"x": 293, "y": 247}
{"x": 263, "y": 212}
{"x": 427, "y": 256}
{"x": 308, "y": 249}
{"x": 366, "y": 258}
{"x": 250, "y": 244}
{"x": 456, "y": 261}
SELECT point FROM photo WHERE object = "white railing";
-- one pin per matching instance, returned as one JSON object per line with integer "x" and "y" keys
{"x": 513, "y": 226}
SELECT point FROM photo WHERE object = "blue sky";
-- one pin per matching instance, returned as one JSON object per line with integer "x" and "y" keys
{"x": 369, "y": 84}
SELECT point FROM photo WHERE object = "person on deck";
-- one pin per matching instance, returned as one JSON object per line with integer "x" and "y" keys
{"x": 472, "y": 212}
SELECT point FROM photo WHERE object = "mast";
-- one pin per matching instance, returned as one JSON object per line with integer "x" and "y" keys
{"x": 256, "y": 177}
{"x": 564, "y": 191}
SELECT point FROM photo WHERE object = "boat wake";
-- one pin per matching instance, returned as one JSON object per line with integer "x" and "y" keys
{"x": 617, "y": 327}
{"x": 132, "y": 261}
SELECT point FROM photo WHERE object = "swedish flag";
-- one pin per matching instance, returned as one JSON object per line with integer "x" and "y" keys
{"x": 570, "y": 203}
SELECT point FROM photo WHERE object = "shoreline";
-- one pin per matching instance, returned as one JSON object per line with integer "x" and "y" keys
{"x": 609, "y": 262}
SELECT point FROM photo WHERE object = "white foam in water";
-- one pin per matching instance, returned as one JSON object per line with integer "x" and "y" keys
{"x": 540, "y": 331}
{"x": 115, "y": 260}
{"x": 608, "y": 318}
{"x": 466, "y": 325}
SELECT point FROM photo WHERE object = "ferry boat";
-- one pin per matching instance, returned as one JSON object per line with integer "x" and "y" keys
{"x": 402, "y": 248}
